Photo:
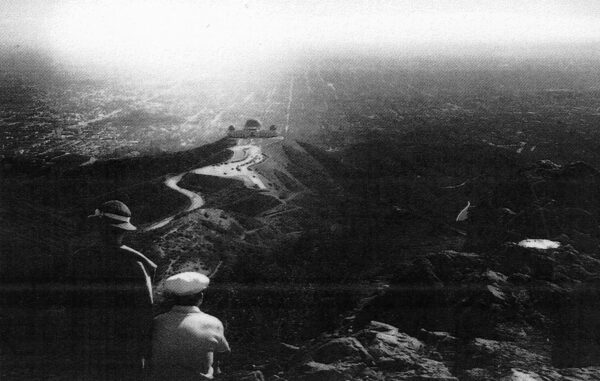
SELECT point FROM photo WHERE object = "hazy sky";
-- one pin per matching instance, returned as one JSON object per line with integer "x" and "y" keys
{"x": 180, "y": 32}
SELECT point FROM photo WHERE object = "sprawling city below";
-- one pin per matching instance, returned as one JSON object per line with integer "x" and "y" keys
{"x": 506, "y": 102}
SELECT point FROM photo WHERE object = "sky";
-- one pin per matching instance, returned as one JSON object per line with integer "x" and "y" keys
{"x": 185, "y": 32}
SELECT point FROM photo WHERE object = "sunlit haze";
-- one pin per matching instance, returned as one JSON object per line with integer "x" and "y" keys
{"x": 188, "y": 34}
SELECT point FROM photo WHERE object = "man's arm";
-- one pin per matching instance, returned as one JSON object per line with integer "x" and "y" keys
{"x": 220, "y": 358}
{"x": 209, "y": 360}
{"x": 222, "y": 349}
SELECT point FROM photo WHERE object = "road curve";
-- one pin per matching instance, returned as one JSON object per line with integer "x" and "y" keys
{"x": 196, "y": 201}
{"x": 238, "y": 169}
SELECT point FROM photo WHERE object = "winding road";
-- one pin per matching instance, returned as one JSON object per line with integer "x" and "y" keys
{"x": 238, "y": 167}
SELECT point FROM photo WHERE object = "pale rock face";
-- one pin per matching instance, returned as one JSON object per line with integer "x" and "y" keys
{"x": 542, "y": 244}
{"x": 518, "y": 375}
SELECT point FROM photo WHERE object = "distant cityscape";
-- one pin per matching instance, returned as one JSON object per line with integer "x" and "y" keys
{"x": 321, "y": 102}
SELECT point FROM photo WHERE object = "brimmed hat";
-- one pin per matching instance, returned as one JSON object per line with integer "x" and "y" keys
{"x": 114, "y": 213}
{"x": 188, "y": 283}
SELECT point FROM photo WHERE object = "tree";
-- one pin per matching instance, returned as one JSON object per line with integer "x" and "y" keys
{"x": 273, "y": 127}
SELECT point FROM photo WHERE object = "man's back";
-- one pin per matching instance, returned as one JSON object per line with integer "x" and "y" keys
{"x": 184, "y": 340}
{"x": 110, "y": 303}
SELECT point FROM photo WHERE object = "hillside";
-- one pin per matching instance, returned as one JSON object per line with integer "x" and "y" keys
{"x": 307, "y": 247}
{"x": 43, "y": 212}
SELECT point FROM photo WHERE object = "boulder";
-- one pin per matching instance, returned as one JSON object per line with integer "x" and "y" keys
{"x": 437, "y": 338}
{"x": 495, "y": 277}
{"x": 377, "y": 326}
{"x": 502, "y": 356}
{"x": 314, "y": 371}
{"x": 386, "y": 343}
{"x": 521, "y": 375}
{"x": 391, "y": 349}
{"x": 347, "y": 349}
{"x": 397, "y": 353}
{"x": 379, "y": 352}
{"x": 495, "y": 294}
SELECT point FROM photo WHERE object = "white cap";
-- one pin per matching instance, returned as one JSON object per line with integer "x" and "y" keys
{"x": 188, "y": 283}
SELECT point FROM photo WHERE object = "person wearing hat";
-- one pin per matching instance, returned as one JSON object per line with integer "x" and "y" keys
{"x": 110, "y": 301}
{"x": 185, "y": 339}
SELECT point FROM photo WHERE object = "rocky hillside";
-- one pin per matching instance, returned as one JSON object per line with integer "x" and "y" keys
{"x": 491, "y": 310}
{"x": 350, "y": 265}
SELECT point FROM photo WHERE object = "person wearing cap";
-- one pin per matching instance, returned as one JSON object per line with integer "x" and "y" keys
{"x": 110, "y": 301}
{"x": 185, "y": 339}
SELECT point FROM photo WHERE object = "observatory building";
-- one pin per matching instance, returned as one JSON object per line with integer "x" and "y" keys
{"x": 252, "y": 125}
{"x": 252, "y": 129}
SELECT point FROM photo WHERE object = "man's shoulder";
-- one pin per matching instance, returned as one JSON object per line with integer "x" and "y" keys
{"x": 193, "y": 317}
{"x": 206, "y": 319}
{"x": 212, "y": 326}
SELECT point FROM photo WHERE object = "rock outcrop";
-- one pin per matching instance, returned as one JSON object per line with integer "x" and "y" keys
{"x": 509, "y": 308}
{"x": 377, "y": 352}
{"x": 380, "y": 352}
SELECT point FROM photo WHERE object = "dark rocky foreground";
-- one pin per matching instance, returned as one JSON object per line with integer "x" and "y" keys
{"x": 492, "y": 311}
{"x": 367, "y": 276}
{"x": 510, "y": 314}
